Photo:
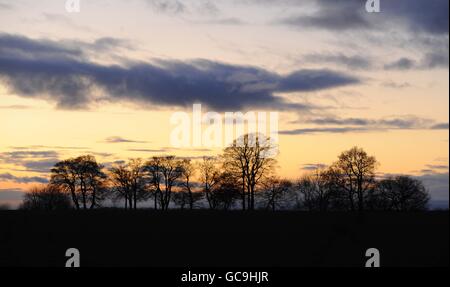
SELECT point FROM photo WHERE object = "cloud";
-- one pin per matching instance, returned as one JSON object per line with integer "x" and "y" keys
{"x": 167, "y": 6}
{"x": 5, "y": 6}
{"x": 350, "y": 125}
{"x": 401, "y": 64}
{"x": 429, "y": 16}
{"x": 224, "y": 21}
{"x": 437, "y": 166}
{"x": 399, "y": 122}
{"x": 25, "y": 179}
{"x": 34, "y": 161}
{"x": 437, "y": 184}
{"x": 15, "y": 107}
{"x": 417, "y": 16}
{"x": 58, "y": 75}
{"x": 116, "y": 139}
{"x": 333, "y": 16}
{"x": 33, "y": 147}
{"x": 323, "y": 130}
{"x": 183, "y": 7}
{"x": 313, "y": 166}
{"x": 13, "y": 196}
{"x": 435, "y": 60}
{"x": 350, "y": 62}
{"x": 430, "y": 60}
{"x": 440, "y": 126}
{"x": 20, "y": 47}
{"x": 394, "y": 85}
{"x": 148, "y": 150}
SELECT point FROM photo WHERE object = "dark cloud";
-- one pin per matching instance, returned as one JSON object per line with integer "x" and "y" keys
{"x": 25, "y": 179}
{"x": 430, "y": 60}
{"x": 41, "y": 166}
{"x": 33, "y": 147}
{"x": 313, "y": 166}
{"x": 5, "y": 6}
{"x": 313, "y": 80}
{"x": 148, "y": 150}
{"x": 323, "y": 130}
{"x": 168, "y": 6}
{"x": 437, "y": 184}
{"x": 349, "y": 125}
{"x": 350, "y": 62}
{"x": 394, "y": 85}
{"x": 70, "y": 82}
{"x": 183, "y": 7}
{"x": 225, "y": 21}
{"x": 20, "y": 47}
{"x": 430, "y": 17}
{"x": 15, "y": 107}
{"x": 33, "y": 161}
{"x": 11, "y": 196}
{"x": 437, "y": 166}
{"x": 18, "y": 155}
{"x": 440, "y": 126}
{"x": 435, "y": 59}
{"x": 116, "y": 139}
{"x": 333, "y": 15}
{"x": 401, "y": 64}
{"x": 406, "y": 122}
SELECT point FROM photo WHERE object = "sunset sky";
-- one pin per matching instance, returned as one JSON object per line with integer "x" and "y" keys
{"x": 105, "y": 81}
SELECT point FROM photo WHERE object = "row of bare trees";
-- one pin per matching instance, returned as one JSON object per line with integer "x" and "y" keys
{"x": 243, "y": 177}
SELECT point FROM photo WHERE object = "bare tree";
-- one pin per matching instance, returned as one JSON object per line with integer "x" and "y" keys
{"x": 276, "y": 192}
{"x": 188, "y": 172}
{"x": 247, "y": 158}
{"x": 129, "y": 181}
{"x": 209, "y": 173}
{"x": 227, "y": 191}
{"x": 400, "y": 193}
{"x": 48, "y": 197}
{"x": 354, "y": 172}
{"x": 83, "y": 179}
{"x": 164, "y": 172}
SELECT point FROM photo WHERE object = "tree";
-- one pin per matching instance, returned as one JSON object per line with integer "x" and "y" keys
{"x": 164, "y": 172}
{"x": 248, "y": 159}
{"x": 276, "y": 190}
{"x": 129, "y": 181}
{"x": 187, "y": 173}
{"x": 400, "y": 193}
{"x": 5, "y": 206}
{"x": 209, "y": 174}
{"x": 227, "y": 191}
{"x": 315, "y": 190}
{"x": 83, "y": 179}
{"x": 354, "y": 173}
{"x": 49, "y": 198}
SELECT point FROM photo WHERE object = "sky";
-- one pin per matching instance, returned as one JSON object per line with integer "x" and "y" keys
{"x": 106, "y": 81}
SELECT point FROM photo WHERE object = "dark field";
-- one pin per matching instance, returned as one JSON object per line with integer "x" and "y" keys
{"x": 219, "y": 239}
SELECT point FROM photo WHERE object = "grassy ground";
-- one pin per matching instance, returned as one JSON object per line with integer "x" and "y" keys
{"x": 224, "y": 239}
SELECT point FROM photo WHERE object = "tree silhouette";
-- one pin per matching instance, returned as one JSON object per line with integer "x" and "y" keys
{"x": 248, "y": 159}
{"x": 316, "y": 190}
{"x": 83, "y": 179}
{"x": 400, "y": 193}
{"x": 242, "y": 172}
{"x": 187, "y": 173}
{"x": 128, "y": 181}
{"x": 354, "y": 172}
{"x": 49, "y": 197}
{"x": 164, "y": 172}
{"x": 276, "y": 190}
{"x": 209, "y": 173}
